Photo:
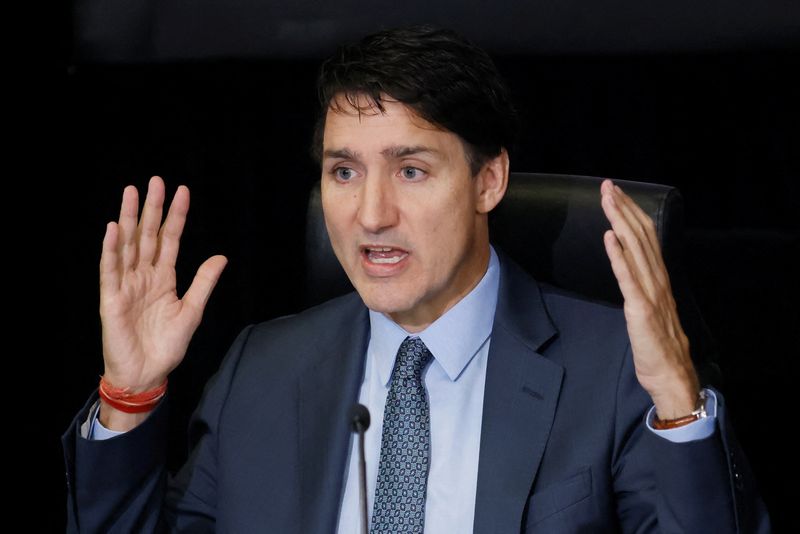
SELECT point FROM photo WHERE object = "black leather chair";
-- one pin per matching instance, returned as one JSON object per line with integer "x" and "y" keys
{"x": 553, "y": 226}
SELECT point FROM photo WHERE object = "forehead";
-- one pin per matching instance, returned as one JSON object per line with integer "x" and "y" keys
{"x": 360, "y": 126}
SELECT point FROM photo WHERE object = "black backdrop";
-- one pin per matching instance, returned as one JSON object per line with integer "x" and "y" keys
{"x": 715, "y": 116}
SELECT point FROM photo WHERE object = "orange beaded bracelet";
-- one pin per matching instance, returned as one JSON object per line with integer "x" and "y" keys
{"x": 123, "y": 400}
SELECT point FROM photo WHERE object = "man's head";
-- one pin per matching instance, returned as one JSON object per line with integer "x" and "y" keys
{"x": 445, "y": 79}
{"x": 412, "y": 143}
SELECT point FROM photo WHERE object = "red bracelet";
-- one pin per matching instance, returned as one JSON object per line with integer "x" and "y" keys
{"x": 122, "y": 400}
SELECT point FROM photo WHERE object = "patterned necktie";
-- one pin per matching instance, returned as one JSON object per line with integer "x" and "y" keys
{"x": 405, "y": 445}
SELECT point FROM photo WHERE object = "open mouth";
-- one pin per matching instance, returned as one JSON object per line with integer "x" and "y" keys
{"x": 384, "y": 255}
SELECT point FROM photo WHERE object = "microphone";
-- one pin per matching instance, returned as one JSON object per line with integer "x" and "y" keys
{"x": 359, "y": 420}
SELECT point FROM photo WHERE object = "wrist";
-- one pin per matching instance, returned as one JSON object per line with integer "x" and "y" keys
{"x": 676, "y": 405}
{"x": 127, "y": 400}
{"x": 676, "y": 397}
{"x": 136, "y": 386}
{"x": 117, "y": 420}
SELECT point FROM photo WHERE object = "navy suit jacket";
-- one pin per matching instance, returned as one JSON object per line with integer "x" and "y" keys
{"x": 564, "y": 446}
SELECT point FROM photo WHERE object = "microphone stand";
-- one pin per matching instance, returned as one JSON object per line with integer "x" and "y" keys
{"x": 359, "y": 418}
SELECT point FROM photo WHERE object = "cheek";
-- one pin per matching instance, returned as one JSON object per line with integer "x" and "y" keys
{"x": 335, "y": 207}
{"x": 334, "y": 222}
{"x": 446, "y": 231}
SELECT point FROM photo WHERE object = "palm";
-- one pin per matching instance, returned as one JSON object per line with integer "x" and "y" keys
{"x": 146, "y": 327}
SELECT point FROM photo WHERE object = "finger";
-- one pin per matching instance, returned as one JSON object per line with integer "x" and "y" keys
{"x": 630, "y": 241}
{"x": 170, "y": 236}
{"x": 204, "y": 282}
{"x": 128, "y": 213}
{"x": 644, "y": 232}
{"x": 620, "y": 265}
{"x": 151, "y": 220}
{"x": 645, "y": 223}
{"x": 658, "y": 268}
{"x": 109, "y": 260}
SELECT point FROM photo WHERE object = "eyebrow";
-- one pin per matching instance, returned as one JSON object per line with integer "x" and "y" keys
{"x": 403, "y": 151}
{"x": 340, "y": 153}
{"x": 394, "y": 152}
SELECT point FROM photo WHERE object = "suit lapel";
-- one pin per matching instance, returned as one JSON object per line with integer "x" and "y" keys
{"x": 327, "y": 392}
{"x": 520, "y": 398}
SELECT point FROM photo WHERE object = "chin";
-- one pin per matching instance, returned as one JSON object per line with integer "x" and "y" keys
{"x": 385, "y": 305}
{"x": 385, "y": 299}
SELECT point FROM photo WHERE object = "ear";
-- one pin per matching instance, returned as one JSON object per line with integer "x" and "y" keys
{"x": 491, "y": 182}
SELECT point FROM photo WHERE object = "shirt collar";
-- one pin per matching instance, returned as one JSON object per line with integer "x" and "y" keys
{"x": 453, "y": 339}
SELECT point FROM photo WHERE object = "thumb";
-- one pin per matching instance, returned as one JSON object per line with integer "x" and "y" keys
{"x": 204, "y": 282}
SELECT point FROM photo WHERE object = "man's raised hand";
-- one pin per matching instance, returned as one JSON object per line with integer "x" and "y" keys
{"x": 660, "y": 348}
{"x": 146, "y": 328}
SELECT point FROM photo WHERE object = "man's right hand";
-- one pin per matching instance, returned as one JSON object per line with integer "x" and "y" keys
{"x": 146, "y": 327}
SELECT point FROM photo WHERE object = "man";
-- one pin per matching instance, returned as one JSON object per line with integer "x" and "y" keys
{"x": 499, "y": 405}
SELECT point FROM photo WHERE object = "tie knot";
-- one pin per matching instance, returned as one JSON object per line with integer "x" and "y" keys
{"x": 412, "y": 357}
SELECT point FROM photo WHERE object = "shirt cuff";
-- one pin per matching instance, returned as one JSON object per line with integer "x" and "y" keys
{"x": 96, "y": 430}
{"x": 700, "y": 429}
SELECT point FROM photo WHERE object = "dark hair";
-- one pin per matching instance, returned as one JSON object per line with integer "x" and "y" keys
{"x": 444, "y": 78}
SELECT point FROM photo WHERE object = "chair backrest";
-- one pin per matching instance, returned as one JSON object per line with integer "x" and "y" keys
{"x": 553, "y": 225}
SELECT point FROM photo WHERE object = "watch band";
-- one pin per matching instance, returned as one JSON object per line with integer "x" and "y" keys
{"x": 698, "y": 413}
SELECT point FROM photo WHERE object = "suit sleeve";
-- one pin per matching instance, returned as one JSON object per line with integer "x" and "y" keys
{"x": 703, "y": 485}
{"x": 122, "y": 485}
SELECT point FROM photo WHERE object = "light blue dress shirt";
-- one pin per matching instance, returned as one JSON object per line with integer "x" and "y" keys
{"x": 459, "y": 342}
{"x": 454, "y": 381}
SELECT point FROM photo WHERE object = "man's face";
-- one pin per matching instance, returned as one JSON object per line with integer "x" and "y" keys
{"x": 406, "y": 218}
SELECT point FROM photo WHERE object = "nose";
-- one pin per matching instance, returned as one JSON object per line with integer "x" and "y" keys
{"x": 377, "y": 210}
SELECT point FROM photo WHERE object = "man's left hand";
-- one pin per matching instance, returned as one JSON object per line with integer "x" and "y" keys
{"x": 660, "y": 348}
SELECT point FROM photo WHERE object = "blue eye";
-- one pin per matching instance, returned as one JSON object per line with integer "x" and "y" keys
{"x": 343, "y": 173}
{"x": 411, "y": 173}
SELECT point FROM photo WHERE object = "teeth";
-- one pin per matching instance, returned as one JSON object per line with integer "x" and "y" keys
{"x": 394, "y": 259}
{"x": 385, "y": 255}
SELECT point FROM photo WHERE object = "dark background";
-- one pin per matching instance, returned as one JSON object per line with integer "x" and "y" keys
{"x": 220, "y": 96}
